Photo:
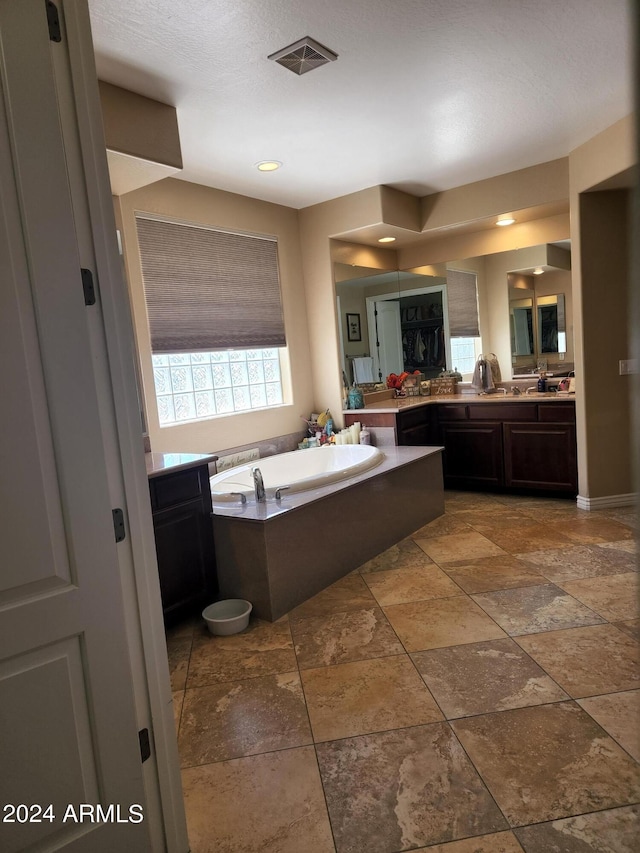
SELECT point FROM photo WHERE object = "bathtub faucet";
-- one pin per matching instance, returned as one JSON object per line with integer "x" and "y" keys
{"x": 258, "y": 484}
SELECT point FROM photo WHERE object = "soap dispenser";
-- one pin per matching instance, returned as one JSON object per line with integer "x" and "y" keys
{"x": 542, "y": 382}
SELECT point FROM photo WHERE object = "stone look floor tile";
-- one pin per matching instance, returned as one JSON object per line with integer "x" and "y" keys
{"x": 484, "y": 522}
{"x": 631, "y": 627}
{"x": 367, "y": 696}
{"x": 625, "y": 515}
{"x": 343, "y": 637}
{"x": 534, "y": 537}
{"x": 459, "y": 547}
{"x": 614, "y": 597}
{"x": 608, "y": 831}
{"x": 349, "y": 593}
{"x": 619, "y": 715}
{"x": 578, "y": 561}
{"x": 587, "y": 661}
{"x": 402, "y": 585}
{"x": 445, "y": 525}
{"x": 402, "y": 789}
{"x": 264, "y": 648}
{"x": 593, "y": 529}
{"x": 246, "y": 717}
{"x": 496, "y": 842}
{"x": 628, "y": 545}
{"x": 548, "y": 762}
{"x": 271, "y": 802}
{"x": 489, "y": 573}
{"x": 528, "y": 610}
{"x": 460, "y": 501}
{"x": 405, "y": 555}
{"x": 178, "y": 699}
{"x": 413, "y": 786}
{"x": 178, "y": 651}
{"x": 478, "y": 678}
{"x": 442, "y": 622}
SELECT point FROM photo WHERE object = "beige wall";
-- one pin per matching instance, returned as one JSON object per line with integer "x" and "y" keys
{"x": 600, "y": 272}
{"x": 197, "y": 204}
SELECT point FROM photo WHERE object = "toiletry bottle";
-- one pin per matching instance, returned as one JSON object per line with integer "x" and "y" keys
{"x": 542, "y": 383}
{"x": 365, "y": 435}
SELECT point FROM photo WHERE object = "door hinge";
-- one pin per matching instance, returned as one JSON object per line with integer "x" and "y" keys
{"x": 145, "y": 744}
{"x": 88, "y": 287}
{"x": 118, "y": 524}
{"x": 53, "y": 20}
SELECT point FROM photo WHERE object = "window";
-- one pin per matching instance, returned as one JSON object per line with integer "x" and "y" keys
{"x": 215, "y": 319}
{"x": 193, "y": 386}
{"x": 464, "y": 353}
{"x": 462, "y": 299}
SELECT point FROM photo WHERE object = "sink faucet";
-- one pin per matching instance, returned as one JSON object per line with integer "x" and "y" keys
{"x": 501, "y": 390}
{"x": 532, "y": 388}
{"x": 258, "y": 485}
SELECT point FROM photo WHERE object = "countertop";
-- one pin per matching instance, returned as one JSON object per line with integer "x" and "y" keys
{"x": 401, "y": 403}
{"x": 162, "y": 463}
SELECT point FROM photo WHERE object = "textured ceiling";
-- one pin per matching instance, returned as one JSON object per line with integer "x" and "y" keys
{"x": 425, "y": 95}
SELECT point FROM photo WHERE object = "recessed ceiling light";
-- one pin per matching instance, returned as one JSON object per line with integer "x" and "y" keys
{"x": 505, "y": 220}
{"x": 538, "y": 271}
{"x": 386, "y": 239}
{"x": 268, "y": 165}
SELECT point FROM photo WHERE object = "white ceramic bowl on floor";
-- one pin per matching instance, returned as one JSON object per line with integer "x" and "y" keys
{"x": 229, "y": 616}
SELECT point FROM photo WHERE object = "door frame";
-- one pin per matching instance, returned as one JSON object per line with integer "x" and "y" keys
{"x": 145, "y": 625}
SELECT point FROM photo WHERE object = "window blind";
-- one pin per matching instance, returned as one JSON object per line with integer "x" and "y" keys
{"x": 207, "y": 289}
{"x": 462, "y": 301}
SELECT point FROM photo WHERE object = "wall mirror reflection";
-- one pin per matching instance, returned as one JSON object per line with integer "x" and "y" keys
{"x": 539, "y": 314}
{"x": 446, "y": 314}
{"x": 404, "y": 323}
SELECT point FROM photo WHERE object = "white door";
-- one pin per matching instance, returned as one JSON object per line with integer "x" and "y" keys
{"x": 68, "y": 725}
{"x": 387, "y": 347}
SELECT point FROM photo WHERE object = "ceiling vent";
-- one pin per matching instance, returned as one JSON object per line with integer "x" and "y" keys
{"x": 303, "y": 56}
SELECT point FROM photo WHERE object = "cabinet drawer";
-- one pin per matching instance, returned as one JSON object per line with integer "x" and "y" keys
{"x": 503, "y": 412}
{"x": 557, "y": 413}
{"x": 452, "y": 412}
{"x": 172, "y": 489}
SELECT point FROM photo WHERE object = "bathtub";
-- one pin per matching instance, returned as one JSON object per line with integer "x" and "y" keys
{"x": 299, "y": 470}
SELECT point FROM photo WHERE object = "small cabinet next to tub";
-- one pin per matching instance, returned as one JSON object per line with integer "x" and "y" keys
{"x": 181, "y": 508}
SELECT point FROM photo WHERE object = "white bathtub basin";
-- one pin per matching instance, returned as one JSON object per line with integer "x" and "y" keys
{"x": 299, "y": 470}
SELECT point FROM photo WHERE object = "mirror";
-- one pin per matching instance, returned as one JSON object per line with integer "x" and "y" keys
{"x": 537, "y": 320}
{"x": 401, "y": 317}
{"x": 552, "y": 336}
{"x": 521, "y": 311}
{"x": 528, "y": 323}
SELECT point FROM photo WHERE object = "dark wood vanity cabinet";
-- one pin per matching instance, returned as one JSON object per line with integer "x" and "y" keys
{"x": 517, "y": 446}
{"x": 181, "y": 507}
{"x": 414, "y": 427}
{"x": 473, "y": 454}
{"x": 543, "y": 455}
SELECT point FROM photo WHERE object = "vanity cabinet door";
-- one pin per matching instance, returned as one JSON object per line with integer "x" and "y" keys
{"x": 473, "y": 454}
{"x": 414, "y": 427}
{"x": 541, "y": 456}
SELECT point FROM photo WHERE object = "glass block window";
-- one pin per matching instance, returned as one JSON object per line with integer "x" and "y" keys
{"x": 199, "y": 385}
{"x": 464, "y": 352}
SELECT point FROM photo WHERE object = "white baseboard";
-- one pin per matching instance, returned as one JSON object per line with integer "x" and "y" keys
{"x": 607, "y": 502}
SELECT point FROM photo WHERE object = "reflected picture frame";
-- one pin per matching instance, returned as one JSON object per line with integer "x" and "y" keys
{"x": 354, "y": 332}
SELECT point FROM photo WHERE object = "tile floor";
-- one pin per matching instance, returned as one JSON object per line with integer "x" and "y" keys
{"x": 474, "y": 689}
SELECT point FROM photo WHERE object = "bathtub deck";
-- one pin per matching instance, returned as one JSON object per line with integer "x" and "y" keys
{"x": 280, "y": 553}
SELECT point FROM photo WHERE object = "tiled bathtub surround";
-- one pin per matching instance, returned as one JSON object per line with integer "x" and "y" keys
{"x": 467, "y": 691}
